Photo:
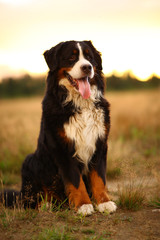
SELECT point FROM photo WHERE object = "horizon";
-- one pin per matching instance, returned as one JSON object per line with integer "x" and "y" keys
{"x": 37, "y": 76}
{"x": 127, "y": 34}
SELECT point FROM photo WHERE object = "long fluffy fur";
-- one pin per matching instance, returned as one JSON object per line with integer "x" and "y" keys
{"x": 70, "y": 159}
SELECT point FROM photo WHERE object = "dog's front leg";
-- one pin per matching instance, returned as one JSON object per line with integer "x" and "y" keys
{"x": 78, "y": 197}
{"x": 72, "y": 178}
{"x": 99, "y": 193}
{"x": 97, "y": 177}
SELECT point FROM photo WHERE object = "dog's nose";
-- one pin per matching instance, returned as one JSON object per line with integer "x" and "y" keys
{"x": 86, "y": 68}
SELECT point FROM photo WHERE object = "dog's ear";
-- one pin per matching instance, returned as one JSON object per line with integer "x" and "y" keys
{"x": 97, "y": 55}
{"x": 51, "y": 56}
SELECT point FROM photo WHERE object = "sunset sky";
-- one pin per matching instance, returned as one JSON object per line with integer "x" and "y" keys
{"x": 126, "y": 32}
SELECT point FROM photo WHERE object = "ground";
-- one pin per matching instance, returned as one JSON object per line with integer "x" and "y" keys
{"x": 140, "y": 225}
{"x": 132, "y": 173}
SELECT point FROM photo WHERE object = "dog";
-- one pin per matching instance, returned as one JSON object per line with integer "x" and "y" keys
{"x": 70, "y": 159}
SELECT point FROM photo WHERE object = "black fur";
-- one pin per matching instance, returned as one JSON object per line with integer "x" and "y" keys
{"x": 52, "y": 165}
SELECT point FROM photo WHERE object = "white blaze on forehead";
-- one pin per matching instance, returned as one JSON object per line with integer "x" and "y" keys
{"x": 81, "y": 56}
{"x": 76, "y": 71}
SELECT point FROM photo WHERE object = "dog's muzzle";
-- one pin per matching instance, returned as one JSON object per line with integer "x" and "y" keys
{"x": 82, "y": 85}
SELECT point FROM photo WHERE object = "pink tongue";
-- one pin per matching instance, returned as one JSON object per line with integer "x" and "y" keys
{"x": 84, "y": 88}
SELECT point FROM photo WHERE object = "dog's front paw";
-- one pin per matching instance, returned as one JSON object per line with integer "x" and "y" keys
{"x": 86, "y": 209}
{"x": 109, "y": 207}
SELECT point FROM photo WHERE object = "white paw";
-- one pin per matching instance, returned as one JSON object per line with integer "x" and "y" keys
{"x": 107, "y": 206}
{"x": 86, "y": 209}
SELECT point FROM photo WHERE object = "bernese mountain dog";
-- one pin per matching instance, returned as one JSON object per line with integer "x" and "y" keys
{"x": 71, "y": 154}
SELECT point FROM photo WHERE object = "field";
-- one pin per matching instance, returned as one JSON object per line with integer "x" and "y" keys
{"x": 132, "y": 174}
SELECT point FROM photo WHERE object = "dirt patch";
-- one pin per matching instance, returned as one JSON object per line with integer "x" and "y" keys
{"x": 140, "y": 225}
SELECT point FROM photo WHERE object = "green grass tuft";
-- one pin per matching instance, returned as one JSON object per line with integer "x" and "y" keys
{"x": 131, "y": 197}
{"x": 51, "y": 206}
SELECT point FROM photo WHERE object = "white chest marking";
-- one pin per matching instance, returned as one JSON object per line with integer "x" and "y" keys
{"x": 86, "y": 127}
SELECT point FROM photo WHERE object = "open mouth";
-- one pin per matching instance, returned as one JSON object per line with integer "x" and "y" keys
{"x": 82, "y": 85}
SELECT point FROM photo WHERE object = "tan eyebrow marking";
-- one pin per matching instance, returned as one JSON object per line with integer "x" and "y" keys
{"x": 86, "y": 51}
{"x": 75, "y": 51}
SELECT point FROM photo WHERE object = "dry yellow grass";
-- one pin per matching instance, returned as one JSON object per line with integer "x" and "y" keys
{"x": 134, "y": 141}
{"x": 19, "y": 119}
{"x": 140, "y": 109}
{"x": 19, "y": 129}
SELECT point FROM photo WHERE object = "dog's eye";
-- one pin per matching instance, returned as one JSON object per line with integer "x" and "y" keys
{"x": 72, "y": 58}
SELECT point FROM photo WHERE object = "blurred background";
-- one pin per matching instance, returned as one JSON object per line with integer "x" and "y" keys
{"x": 127, "y": 33}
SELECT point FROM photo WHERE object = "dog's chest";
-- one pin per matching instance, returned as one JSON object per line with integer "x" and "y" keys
{"x": 84, "y": 128}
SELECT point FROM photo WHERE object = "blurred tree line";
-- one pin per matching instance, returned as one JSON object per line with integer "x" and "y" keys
{"x": 28, "y": 86}
{"x": 128, "y": 82}
{"x": 25, "y": 86}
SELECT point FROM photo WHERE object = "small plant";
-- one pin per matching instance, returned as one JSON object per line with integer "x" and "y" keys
{"x": 60, "y": 205}
{"x": 131, "y": 196}
{"x": 47, "y": 204}
{"x": 79, "y": 218}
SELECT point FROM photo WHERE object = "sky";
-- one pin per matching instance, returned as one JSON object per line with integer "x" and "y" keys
{"x": 126, "y": 32}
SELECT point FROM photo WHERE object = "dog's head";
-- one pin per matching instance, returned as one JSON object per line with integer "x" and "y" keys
{"x": 76, "y": 62}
